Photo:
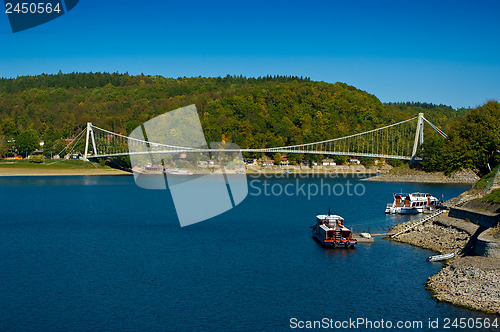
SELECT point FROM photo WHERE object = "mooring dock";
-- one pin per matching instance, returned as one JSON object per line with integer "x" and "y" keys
{"x": 361, "y": 239}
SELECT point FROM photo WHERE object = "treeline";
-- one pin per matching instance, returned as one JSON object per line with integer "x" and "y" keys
{"x": 96, "y": 80}
{"x": 473, "y": 142}
{"x": 437, "y": 114}
{"x": 251, "y": 112}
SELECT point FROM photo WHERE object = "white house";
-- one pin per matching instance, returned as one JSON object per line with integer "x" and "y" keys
{"x": 329, "y": 162}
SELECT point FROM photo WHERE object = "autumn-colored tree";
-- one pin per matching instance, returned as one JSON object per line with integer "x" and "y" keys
{"x": 277, "y": 158}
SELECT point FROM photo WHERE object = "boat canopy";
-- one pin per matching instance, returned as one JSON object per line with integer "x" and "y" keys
{"x": 325, "y": 228}
{"x": 329, "y": 217}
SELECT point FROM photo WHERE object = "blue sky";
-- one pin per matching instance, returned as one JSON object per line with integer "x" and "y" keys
{"x": 431, "y": 51}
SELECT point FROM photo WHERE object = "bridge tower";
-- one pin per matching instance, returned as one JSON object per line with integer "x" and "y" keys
{"x": 89, "y": 135}
{"x": 419, "y": 135}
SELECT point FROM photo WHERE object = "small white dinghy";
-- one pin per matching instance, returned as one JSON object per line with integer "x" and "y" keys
{"x": 438, "y": 258}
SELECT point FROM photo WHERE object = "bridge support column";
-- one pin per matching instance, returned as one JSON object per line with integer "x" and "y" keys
{"x": 87, "y": 142}
{"x": 90, "y": 133}
{"x": 419, "y": 135}
{"x": 93, "y": 139}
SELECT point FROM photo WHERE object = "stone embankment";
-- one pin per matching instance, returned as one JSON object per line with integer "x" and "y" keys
{"x": 465, "y": 176}
{"x": 320, "y": 170}
{"x": 488, "y": 243}
{"x": 468, "y": 281}
{"x": 441, "y": 234}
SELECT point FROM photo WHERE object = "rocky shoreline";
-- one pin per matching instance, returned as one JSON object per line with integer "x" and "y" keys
{"x": 442, "y": 234}
{"x": 465, "y": 176}
{"x": 470, "y": 282}
{"x": 467, "y": 280}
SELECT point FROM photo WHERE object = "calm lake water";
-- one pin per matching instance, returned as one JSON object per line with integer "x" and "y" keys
{"x": 94, "y": 253}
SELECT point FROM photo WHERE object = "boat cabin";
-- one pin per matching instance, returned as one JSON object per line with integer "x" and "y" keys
{"x": 330, "y": 220}
{"x": 412, "y": 203}
{"x": 331, "y": 231}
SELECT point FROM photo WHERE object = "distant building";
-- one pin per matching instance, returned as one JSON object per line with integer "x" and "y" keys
{"x": 69, "y": 140}
{"x": 267, "y": 162}
{"x": 153, "y": 168}
{"x": 354, "y": 161}
{"x": 329, "y": 162}
{"x": 284, "y": 161}
{"x": 251, "y": 162}
{"x": 16, "y": 157}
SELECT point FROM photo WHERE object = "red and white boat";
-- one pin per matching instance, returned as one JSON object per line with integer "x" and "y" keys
{"x": 331, "y": 232}
{"x": 412, "y": 203}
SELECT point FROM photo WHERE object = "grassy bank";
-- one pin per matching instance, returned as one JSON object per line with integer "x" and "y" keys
{"x": 485, "y": 180}
{"x": 493, "y": 197}
{"x": 54, "y": 167}
{"x": 50, "y": 164}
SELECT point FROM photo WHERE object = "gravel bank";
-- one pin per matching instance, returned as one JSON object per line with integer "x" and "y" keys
{"x": 425, "y": 177}
{"x": 468, "y": 281}
{"x": 442, "y": 234}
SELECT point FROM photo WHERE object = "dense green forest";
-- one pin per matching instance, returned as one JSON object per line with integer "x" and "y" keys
{"x": 251, "y": 112}
{"x": 473, "y": 142}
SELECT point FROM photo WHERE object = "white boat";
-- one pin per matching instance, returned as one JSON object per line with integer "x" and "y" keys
{"x": 179, "y": 172}
{"x": 438, "y": 258}
{"x": 412, "y": 203}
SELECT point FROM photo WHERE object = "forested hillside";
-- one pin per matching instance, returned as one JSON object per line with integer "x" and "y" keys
{"x": 251, "y": 112}
{"x": 473, "y": 142}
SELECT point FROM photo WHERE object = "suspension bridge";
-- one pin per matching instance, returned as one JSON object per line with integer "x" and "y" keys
{"x": 396, "y": 141}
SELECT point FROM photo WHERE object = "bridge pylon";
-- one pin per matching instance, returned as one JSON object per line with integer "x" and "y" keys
{"x": 419, "y": 135}
{"x": 89, "y": 135}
